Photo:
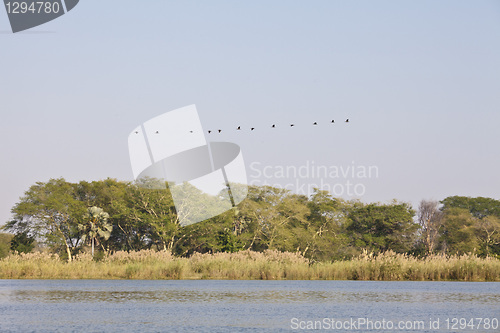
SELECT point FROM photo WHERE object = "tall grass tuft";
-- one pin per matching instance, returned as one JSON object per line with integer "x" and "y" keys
{"x": 267, "y": 265}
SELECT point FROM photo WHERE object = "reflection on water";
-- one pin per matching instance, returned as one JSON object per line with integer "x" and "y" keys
{"x": 267, "y": 296}
{"x": 32, "y": 305}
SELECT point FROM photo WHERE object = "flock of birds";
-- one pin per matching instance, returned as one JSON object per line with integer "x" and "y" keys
{"x": 253, "y": 128}
{"x": 273, "y": 126}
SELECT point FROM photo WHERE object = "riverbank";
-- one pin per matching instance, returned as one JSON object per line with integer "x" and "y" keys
{"x": 249, "y": 265}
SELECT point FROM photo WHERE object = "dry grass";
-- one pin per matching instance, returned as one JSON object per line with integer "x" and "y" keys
{"x": 390, "y": 266}
{"x": 269, "y": 265}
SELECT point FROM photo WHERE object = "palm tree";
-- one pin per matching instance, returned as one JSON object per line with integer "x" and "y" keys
{"x": 96, "y": 225}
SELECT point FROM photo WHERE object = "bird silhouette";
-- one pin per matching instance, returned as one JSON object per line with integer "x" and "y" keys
{"x": 190, "y": 131}
{"x": 253, "y": 128}
{"x": 136, "y": 132}
{"x": 157, "y": 132}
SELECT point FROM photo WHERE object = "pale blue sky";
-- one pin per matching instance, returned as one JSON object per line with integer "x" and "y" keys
{"x": 419, "y": 80}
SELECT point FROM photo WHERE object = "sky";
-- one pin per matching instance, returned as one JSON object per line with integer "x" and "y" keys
{"x": 419, "y": 81}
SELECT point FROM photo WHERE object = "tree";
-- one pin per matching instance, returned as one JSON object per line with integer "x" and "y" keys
{"x": 471, "y": 225}
{"x": 228, "y": 241}
{"x": 50, "y": 211}
{"x": 479, "y": 207}
{"x": 209, "y": 236}
{"x": 5, "y": 244}
{"x": 22, "y": 243}
{"x": 95, "y": 226}
{"x": 458, "y": 235}
{"x": 430, "y": 219}
{"x": 270, "y": 214}
{"x": 489, "y": 234}
{"x": 383, "y": 227}
{"x": 326, "y": 231}
{"x": 153, "y": 211}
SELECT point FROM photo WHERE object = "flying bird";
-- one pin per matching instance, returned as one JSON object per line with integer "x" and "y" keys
{"x": 136, "y": 132}
{"x": 253, "y": 128}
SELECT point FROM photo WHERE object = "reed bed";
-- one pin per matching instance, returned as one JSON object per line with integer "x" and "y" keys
{"x": 249, "y": 265}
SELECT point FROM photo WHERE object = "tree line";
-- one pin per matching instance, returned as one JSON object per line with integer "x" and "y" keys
{"x": 112, "y": 215}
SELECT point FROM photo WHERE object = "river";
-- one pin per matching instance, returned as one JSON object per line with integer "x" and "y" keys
{"x": 247, "y": 306}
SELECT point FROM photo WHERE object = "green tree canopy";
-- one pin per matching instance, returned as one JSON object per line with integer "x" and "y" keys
{"x": 22, "y": 243}
{"x": 458, "y": 232}
{"x": 5, "y": 244}
{"x": 116, "y": 215}
{"x": 479, "y": 207}
{"x": 471, "y": 225}
{"x": 383, "y": 227}
{"x": 95, "y": 226}
{"x": 50, "y": 211}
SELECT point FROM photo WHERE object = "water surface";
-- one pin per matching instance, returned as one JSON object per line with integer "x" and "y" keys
{"x": 242, "y": 306}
